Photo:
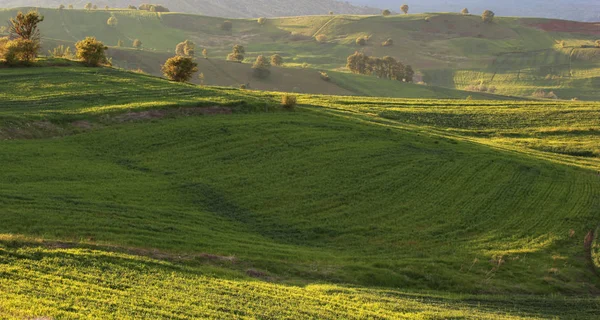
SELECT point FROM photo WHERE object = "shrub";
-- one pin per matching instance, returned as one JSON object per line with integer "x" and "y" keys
{"x": 132, "y": 7}
{"x": 3, "y": 29}
{"x": 387, "y": 43}
{"x": 180, "y": 69}
{"x": 120, "y": 43}
{"x": 276, "y": 60}
{"x": 185, "y": 49}
{"x": 330, "y": 13}
{"x": 541, "y": 94}
{"x": 91, "y": 51}
{"x": 469, "y": 98}
{"x": 61, "y": 52}
{"x": 361, "y": 41}
{"x": 89, "y": 6}
{"x": 597, "y": 43}
{"x": 61, "y": 7}
{"x": 261, "y": 67}
{"x": 227, "y": 25}
{"x": 71, "y": 6}
{"x": 137, "y": 43}
{"x": 465, "y": 11}
{"x": 324, "y": 76}
{"x": 427, "y": 19}
{"x": 261, "y": 21}
{"x": 243, "y": 86}
{"x": 112, "y": 21}
{"x": 404, "y": 8}
{"x": 289, "y": 101}
{"x": 295, "y": 36}
{"x": 237, "y": 53}
{"x": 488, "y": 16}
{"x": 321, "y": 38}
{"x": 386, "y": 12}
{"x": 205, "y": 53}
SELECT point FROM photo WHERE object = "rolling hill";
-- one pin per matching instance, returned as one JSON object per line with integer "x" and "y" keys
{"x": 163, "y": 200}
{"x": 515, "y": 56}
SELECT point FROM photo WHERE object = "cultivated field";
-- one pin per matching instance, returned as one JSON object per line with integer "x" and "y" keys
{"x": 128, "y": 196}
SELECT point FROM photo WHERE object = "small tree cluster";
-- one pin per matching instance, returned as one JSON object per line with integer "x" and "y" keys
{"x": 61, "y": 52}
{"x": 261, "y": 67}
{"x": 386, "y": 12}
{"x": 186, "y": 49}
{"x": 237, "y": 53}
{"x": 153, "y": 8}
{"x": 25, "y": 44}
{"x": 91, "y": 51}
{"x": 386, "y": 67}
{"x": 180, "y": 69}
{"x": 488, "y": 16}
{"x": 541, "y": 94}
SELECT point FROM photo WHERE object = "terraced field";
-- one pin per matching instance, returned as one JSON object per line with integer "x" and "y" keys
{"x": 154, "y": 199}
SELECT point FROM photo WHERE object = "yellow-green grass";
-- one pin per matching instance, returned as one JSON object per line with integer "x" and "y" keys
{"x": 165, "y": 217}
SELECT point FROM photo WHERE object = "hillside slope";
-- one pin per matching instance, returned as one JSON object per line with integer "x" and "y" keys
{"x": 220, "y": 8}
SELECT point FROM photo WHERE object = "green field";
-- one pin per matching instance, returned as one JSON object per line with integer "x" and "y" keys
{"x": 128, "y": 196}
{"x": 514, "y": 55}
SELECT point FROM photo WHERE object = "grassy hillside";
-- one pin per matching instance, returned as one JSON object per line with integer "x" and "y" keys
{"x": 158, "y": 199}
{"x": 516, "y": 56}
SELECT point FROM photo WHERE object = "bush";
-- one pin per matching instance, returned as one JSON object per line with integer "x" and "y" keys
{"x": 185, "y": 49}
{"x": 295, "y": 36}
{"x": 324, "y": 76}
{"x": 112, "y": 21}
{"x": 289, "y": 101}
{"x": 361, "y": 41}
{"x": 180, "y": 69}
{"x": 91, "y": 51}
{"x": 61, "y": 52}
{"x": 386, "y": 12}
{"x": 465, "y": 11}
{"x": 237, "y": 53}
{"x": 137, "y": 43}
{"x": 404, "y": 8}
{"x": 387, "y": 43}
{"x": 261, "y": 67}
{"x": 488, "y": 16}
{"x": 227, "y": 25}
{"x": 597, "y": 43}
{"x": 132, "y": 7}
{"x": 541, "y": 94}
{"x": 321, "y": 38}
{"x": 261, "y": 21}
{"x": 20, "y": 51}
{"x": 276, "y": 60}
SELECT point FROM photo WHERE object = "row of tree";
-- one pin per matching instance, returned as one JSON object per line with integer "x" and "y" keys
{"x": 385, "y": 68}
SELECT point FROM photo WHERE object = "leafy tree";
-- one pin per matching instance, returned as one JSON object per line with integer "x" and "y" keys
{"x": 186, "y": 49}
{"x": 61, "y": 7}
{"x": 321, "y": 38}
{"x": 25, "y": 26}
{"x": 404, "y": 8}
{"x": 21, "y": 50}
{"x": 357, "y": 63}
{"x": 261, "y": 67}
{"x": 237, "y": 53}
{"x": 89, "y": 6}
{"x": 386, "y": 12}
{"x": 180, "y": 69}
{"x": 361, "y": 41}
{"x": 137, "y": 43}
{"x": 120, "y": 43}
{"x": 488, "y": 16}
{"x": 465, "y": 11}
{"x": 112, "y": 21}
{"x": 91, "y": 51}
{"x": 289, "y": 101}
{"x": 276, "y": 60}
{"x": 262, "y": 21}
{"x": 205, "y": 53}
{"x": 409, "y": 74}
{"x": 227, "y": 25}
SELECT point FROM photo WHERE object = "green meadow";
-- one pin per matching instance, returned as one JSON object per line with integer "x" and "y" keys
{"x": 128, "y": 196}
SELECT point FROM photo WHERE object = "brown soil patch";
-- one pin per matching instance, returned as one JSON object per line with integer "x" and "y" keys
{"x": 158, "y": 114}
{"x": 570, "y": 26}
{"x": 86, "y": 125}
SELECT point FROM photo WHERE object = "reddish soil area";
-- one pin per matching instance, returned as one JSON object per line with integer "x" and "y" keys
{"x": 570, "y": 26}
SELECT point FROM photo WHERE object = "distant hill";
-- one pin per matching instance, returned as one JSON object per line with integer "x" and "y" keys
{"x": 580, "y": 10}
{"x": 219, "y": 8}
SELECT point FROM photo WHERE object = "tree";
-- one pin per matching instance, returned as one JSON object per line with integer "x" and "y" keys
{"x": 61, "y": 7}
{"x": 386, "y": 12}
{"x": 180, "y": 69}
{"x": 361, "y": 41}
{"x": 131, "y": 7}
{"x": 276, "y": 60}
{"x": 409, "y": 73}
{"x": 262, "y": 21}
{"x": 227, "y": 25}
{"x": 106, "y": 8}
{"x": 120, "y": 43}
{"x": 137, "y": 43}
{"x": 25, "y": 26}
{"x": 186, "y": 49}
{"x": 465, "y": 11}
{"x": 357, "y": 63}
{"x": 71, "y": 6}
{"x": 91, "y": 51}
{"x": 404, "y": 8}
{"x": 89, "y": 6}
{"x": 95, "y": 7}
{"x": 597, "y": 43}
{"x": 330, "y": 13}
{"x": 237, "y": 53}
{"x": 112, "y": 21}
{"x": 321, "y": 38}
{"x": 488, "y": 16}
{"x": 21, "y": 50}
{"x": 261, "y": 67}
